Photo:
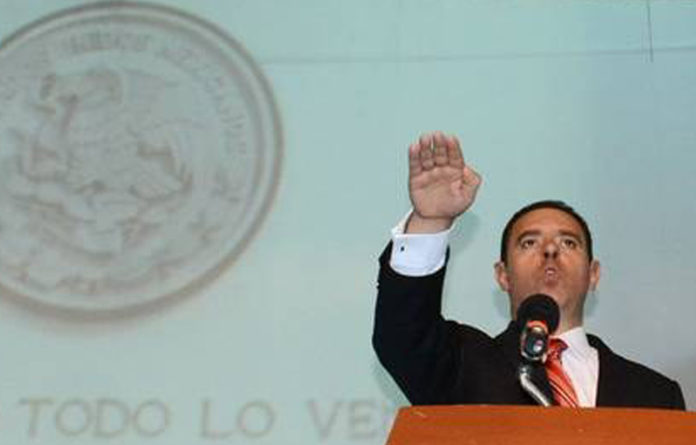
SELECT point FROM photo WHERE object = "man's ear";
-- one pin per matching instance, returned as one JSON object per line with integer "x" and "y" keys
{"x": 501, "y": 276}
{"x": 594, "y": 274}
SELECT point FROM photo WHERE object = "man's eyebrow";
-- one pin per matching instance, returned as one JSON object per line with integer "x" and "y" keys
{"x": 526, "y": 233}
{"x": 536, "y": 232}
{"x": 572, "y": 234}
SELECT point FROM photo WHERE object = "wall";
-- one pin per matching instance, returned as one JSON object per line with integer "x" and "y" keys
{"x": 230, "y": 300}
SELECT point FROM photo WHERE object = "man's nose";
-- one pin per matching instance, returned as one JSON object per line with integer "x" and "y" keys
{"x": 550, "y": 250}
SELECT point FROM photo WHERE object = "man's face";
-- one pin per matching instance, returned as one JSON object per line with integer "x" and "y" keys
{"x": 547, "y": 253}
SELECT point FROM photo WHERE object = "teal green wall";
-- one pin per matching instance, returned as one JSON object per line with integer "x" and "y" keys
{"x": 591, "y": 102}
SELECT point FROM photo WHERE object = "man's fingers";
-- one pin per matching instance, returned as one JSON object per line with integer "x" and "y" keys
{"x": 425, "y": 140}
{"x": 454, "y": 152}
{"x": 414, "y": 162}
{"x": 426, "y": 152}
{"x": 434, "y": 150}
{"x": 440, "y": 149}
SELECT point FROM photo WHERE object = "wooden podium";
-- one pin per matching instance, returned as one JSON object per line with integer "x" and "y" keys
{"x": 521, "y": 425}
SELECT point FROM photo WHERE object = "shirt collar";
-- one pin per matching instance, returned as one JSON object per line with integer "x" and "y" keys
{"x": 576, "y": 339}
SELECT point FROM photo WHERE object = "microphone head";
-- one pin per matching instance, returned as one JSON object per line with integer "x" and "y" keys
{"x": 539, "y": 307}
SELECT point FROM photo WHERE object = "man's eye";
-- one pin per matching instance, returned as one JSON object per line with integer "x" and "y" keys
{"x": 570, "y": 243}
{"x": 527, "y": 243}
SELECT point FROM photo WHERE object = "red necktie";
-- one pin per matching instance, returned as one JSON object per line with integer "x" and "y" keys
{"x": 561, "y": 385}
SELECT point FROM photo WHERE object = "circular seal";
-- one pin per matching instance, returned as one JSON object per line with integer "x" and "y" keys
{"x": 139, "y": 150}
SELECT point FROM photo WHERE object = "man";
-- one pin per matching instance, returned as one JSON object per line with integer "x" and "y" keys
{"x": 546, "y": 248}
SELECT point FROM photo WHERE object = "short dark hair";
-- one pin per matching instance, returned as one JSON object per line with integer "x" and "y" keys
{"x": 546, "y": 204}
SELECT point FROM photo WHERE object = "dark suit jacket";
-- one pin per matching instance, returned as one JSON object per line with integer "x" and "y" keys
{"x": 437, "y": 361}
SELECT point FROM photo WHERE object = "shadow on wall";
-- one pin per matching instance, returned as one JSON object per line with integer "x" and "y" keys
{"x": 685, "y": 375}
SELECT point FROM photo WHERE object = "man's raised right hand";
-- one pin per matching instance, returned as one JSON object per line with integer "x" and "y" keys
{"x": 441, "y": 185}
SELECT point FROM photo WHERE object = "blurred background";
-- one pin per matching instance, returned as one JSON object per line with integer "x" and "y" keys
{"x": 194, "y": 195}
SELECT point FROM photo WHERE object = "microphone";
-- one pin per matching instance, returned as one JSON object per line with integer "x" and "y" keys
{"x": 537, "y": 316}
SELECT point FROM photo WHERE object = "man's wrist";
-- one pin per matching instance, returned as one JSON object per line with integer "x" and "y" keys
{"x": 419, "y": 224}
{"x": 417, "y": 254}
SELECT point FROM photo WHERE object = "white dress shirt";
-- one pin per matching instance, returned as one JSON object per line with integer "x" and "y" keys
{"x": 422, "y": 254}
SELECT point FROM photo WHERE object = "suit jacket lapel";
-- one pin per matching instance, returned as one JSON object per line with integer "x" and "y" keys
{"x": 610, "y": 383}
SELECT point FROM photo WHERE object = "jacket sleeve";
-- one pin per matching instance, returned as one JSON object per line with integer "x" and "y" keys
{"x": 412, "y": 340}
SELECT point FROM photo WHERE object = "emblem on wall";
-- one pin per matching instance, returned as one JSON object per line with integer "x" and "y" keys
{"x": 139, "y": 150}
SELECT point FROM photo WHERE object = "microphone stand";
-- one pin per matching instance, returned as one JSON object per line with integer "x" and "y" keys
{"x": 524, "y": 373}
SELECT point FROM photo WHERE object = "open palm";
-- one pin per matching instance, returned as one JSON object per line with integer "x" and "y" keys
{"x": 441, "y": 185}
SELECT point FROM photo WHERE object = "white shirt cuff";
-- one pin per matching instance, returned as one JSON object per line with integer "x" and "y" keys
{"x": 417, "y": 254}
